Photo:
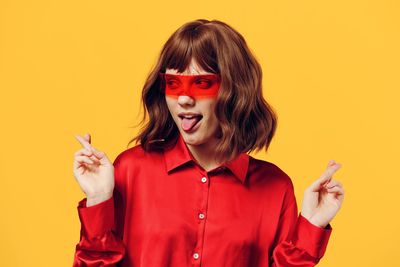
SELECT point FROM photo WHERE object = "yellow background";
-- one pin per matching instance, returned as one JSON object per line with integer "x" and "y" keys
{"x": 331, "y": 70}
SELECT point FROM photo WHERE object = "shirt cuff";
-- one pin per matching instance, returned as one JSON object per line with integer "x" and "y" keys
{"x": 312, "y": 238}
{"x": 96, "y": 220}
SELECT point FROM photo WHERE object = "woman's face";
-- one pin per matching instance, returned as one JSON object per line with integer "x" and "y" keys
{"x": 202, "y": 128}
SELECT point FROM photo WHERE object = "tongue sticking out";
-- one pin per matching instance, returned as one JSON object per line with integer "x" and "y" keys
{"x": 187, "y": 124}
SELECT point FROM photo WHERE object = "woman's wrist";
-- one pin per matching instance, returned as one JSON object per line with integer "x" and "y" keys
{"x": 93, "y": 200}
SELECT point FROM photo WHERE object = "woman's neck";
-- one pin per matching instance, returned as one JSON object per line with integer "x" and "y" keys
{"x": 204, "y": 154}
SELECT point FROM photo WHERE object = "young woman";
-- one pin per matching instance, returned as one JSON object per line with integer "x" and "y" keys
{"x": 189, "y": 194}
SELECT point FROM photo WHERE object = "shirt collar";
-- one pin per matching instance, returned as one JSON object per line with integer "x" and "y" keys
{"x": 179, "y": 154}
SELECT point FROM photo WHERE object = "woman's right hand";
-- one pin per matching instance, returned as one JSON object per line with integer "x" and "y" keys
{"x": 94, "y": 172}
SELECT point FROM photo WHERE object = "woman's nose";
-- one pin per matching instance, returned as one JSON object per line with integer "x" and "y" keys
{"x": 185, "y": 100}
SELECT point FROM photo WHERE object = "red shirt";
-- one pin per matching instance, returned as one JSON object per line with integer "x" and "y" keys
{"x": 168, "y": 211}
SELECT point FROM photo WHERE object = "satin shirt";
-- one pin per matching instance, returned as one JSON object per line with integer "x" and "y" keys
{"x": 168, "y": 211}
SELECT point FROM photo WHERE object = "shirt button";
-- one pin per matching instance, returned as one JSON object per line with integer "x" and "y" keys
{"x": 201, "y": 216}
{"x": 196, "y": 255}
{"x": 204, "y": 179}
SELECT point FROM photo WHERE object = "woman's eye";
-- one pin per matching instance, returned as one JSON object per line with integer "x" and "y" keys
{"x": 203, "y": 83}
{"x": 172, "y": 84}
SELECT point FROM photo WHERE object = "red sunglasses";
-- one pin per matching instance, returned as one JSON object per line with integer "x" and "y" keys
{"x": 198, "y": 86}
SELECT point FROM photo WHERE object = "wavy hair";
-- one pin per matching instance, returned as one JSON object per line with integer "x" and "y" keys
{"x": 246, "y": 121}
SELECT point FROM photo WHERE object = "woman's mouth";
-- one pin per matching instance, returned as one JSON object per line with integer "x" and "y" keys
{"x": 190, "y": 122}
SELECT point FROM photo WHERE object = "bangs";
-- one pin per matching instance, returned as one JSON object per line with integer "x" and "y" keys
{"x": 194, "y": 42}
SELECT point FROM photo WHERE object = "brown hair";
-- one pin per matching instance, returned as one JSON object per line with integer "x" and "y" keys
{"x": 247, "y": 122}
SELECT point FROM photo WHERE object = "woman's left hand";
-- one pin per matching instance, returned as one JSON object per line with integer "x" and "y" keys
{"x": 323, "y": 199}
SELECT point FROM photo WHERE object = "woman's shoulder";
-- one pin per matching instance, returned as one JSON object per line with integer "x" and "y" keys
{"x": 269, "y": 171}
{"x": 136, "y": 155}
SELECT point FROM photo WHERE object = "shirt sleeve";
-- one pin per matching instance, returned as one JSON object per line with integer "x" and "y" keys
{"x": 298, "y": 241}
{"x": 101, "y": 237}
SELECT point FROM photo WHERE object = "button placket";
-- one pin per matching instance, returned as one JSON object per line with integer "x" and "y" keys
{"x": 201, "y": 217}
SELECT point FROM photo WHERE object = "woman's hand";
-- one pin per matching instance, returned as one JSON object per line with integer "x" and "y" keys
{"x": 94, "y": 172}
{"x": 323, "y": 199}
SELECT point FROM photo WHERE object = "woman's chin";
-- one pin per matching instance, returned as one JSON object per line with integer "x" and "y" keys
{"x": 192, "y": 139}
